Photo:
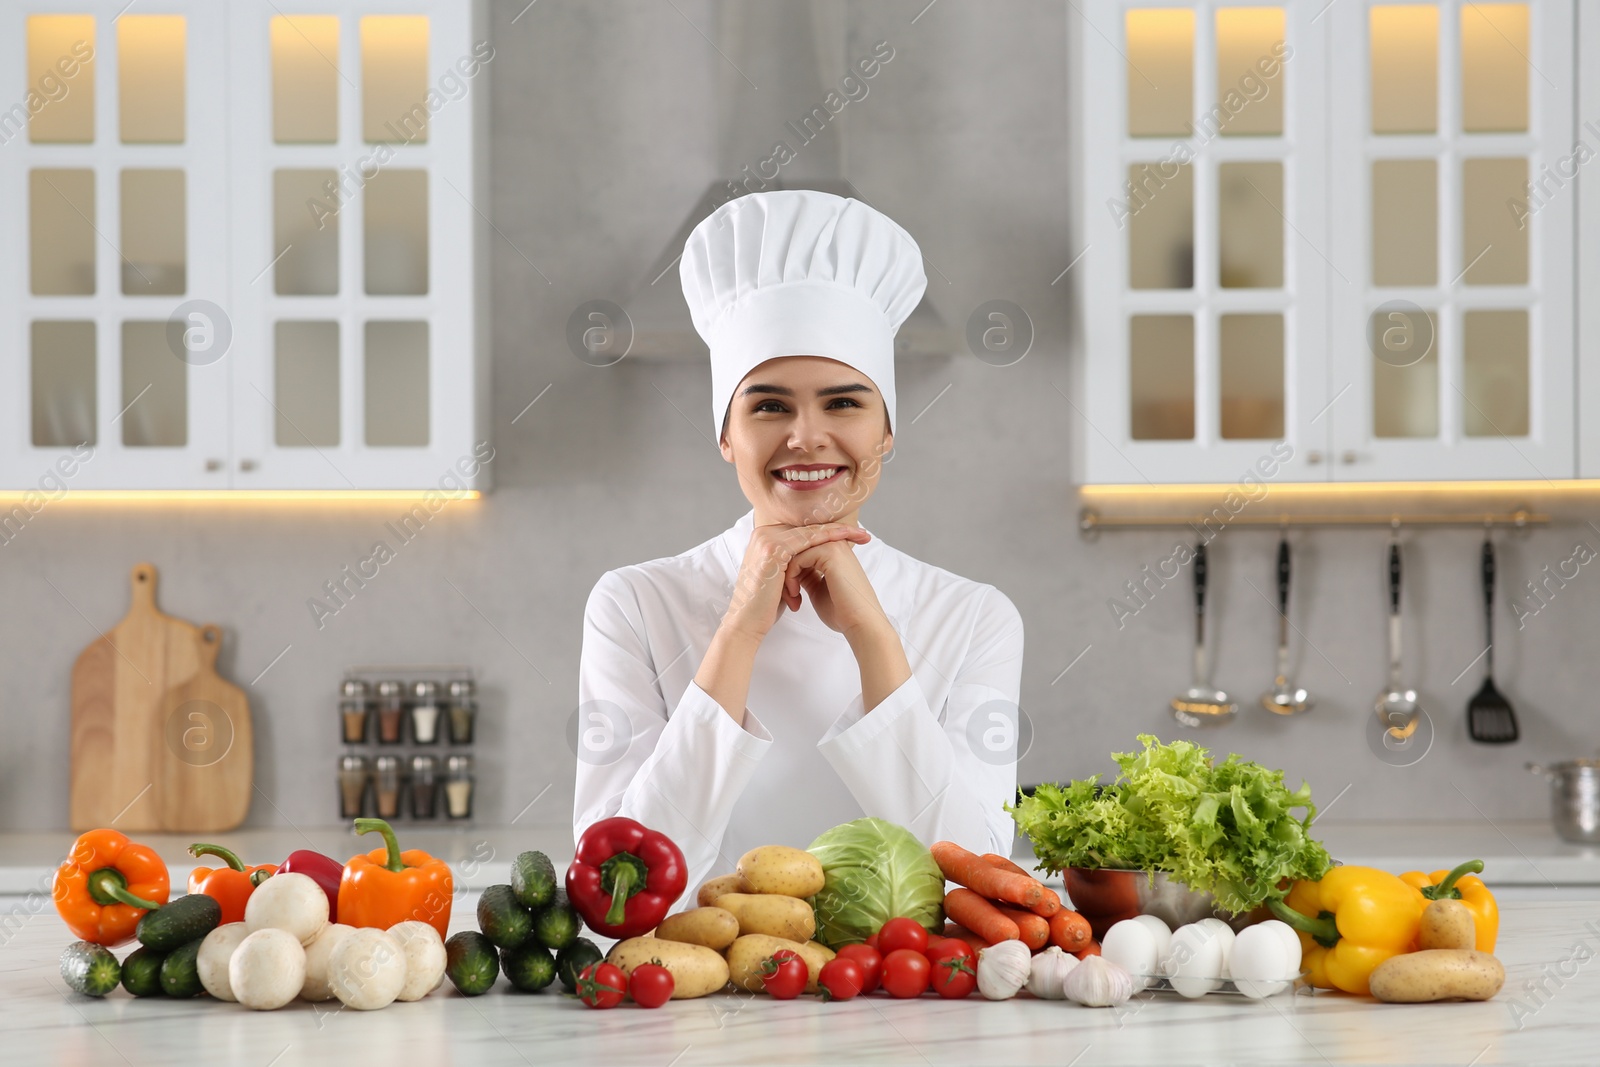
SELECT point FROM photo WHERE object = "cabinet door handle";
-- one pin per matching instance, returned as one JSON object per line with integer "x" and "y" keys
{"x": 213, "y": 464}
{"x": 1347, "y": 457}
{"x": 1313, "y": 456}
{"x": 247, "y": 464}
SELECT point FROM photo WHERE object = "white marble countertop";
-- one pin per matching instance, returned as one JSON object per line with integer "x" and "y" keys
{"x": 1544, "y": 1015}
{"x": 1515, "y": 853}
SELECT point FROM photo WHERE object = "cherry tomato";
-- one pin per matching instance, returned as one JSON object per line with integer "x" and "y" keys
{"x": 954, "y": 969}
{"x": 784, "y": 974}
{"x": 601, "y": 985}
{"x": 934, "y": 942}
{"x": 871, "y": 962}
{"x": 906, "y": 973}
{"x": 872, "y": 940}
{"x": 650, "y": 985}
{"x": 902, "y": 933}
{"x": 841, "y": 979}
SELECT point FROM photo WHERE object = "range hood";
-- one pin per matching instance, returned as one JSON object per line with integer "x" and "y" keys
{"x": 797, "y": 52}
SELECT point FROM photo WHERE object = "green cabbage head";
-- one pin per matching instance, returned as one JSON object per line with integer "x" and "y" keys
{"x": 876, "y": 871}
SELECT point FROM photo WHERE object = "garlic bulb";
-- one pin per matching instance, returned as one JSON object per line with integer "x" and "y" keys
{"x": 1002, "y": 969}
{"x": 1096, "y": 982}
{"x": 1048, "y": 974}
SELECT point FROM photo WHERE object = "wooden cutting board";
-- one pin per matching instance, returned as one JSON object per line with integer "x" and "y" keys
{"x": 159, "y": 741}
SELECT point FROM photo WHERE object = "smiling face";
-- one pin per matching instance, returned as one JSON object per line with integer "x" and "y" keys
{"x": 811, "y": 414}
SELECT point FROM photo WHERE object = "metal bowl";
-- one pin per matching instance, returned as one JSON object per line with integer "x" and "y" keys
{"x": 1574, "y": 799}
{"x": 1106, "y": 895}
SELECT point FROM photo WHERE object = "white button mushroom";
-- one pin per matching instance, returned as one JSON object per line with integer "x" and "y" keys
{"x": 212, "y": 962}
{"x": 267, "y": 970}
{"x": 291, "y": 902}
{"x": 425, "y": 958}
{"x": 367, "y": 969}
{"x": 317, "y": 955}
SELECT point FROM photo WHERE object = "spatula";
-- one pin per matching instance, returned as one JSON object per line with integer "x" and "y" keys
{"x": 1490, "y": 719}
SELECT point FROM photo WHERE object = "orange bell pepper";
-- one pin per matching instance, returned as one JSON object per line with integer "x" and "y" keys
{"x": 105, "y": 886}
{"x": 1459, "y": 884}
{"x": 386, "y": 886}
{"x": 229, "y": 886}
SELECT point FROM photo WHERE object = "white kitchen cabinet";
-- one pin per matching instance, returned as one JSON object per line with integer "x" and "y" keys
{"x": 252, "y": 252}
{"x": 1330, "y": 174}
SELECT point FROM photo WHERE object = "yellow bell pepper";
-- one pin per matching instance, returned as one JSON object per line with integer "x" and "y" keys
{"x": 1349, "y": 922}
{"x": 1460, "y": 884}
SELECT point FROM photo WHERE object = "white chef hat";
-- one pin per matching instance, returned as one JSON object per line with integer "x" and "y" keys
{"x": 796, "y": 272}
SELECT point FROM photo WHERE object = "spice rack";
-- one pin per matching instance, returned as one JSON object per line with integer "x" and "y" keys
{"x": 406, "y": 733}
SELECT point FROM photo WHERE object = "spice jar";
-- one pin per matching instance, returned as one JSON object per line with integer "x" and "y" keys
{"x": 458, "y": 787}
{"x": 355, "y": 776}
{"x": 463, "y": 710}
{"x": 391, "y": 710}
{"x": 354, "y": 711}
{"x": 424, "y": 787}
{"x": 425, "y": 712}
{"x": 388, "y": 779}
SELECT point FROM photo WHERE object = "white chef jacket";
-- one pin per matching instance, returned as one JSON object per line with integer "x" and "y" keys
{"x": 655, "y": 747}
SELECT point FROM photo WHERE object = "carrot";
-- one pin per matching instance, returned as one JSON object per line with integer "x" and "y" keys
{"x": 967, "y": 869}
{"x": 1070, "y": 931}
{"x": 1033, "y": 929}
{"x": 978, "y": 915}
{"x": 961, "y": 933}
{"x": 1048, "y": 905}
{"x": 1091, "y": 949}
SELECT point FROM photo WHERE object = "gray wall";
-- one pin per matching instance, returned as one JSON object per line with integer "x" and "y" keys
{"x": 600, "y": 142}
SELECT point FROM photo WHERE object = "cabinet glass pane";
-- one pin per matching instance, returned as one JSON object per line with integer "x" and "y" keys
{"x": 396, "y": 232}
{"x": 394, "y": 78}
{"x": 61, "y": 233}
{"x": 1250, "y": 225}
{"x": 151, "y": 71}
{"x": 1252, "y": 376}
{"x": 1494, "y": 67}
{"x": 62, "y": 378}
{"x": 397, "y": 383}
{"x": 306, "y": 384}
{"x": 155, "y": 389}
{"x": 1249, "y": 71}
{"x": 61, "y": 71}
{"x": 1405, "y": 227}
{"x": 1494, "y": 239}
{"x": 1405, "y": 395}
{"x": 1160, "y": 72}
{"x": 154, "y": 233}
{"x": 1161, "y": 226}
{"x": 305, "y": 232}
{"x": 1403, "y": 42}
{"x": 1494, "y": 374}
{"x": 1161, "y": 377}
{"x": 305, "y": 79}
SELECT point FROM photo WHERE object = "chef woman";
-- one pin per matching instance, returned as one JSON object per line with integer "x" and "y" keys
{"x": 794, "y": 672}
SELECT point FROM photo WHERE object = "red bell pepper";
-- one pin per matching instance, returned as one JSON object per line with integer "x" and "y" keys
{"x": 624, "y": 877}
{"x": 323, "y": 870}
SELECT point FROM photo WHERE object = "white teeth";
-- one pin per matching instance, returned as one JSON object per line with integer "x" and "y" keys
{"x": 808, "y": 476}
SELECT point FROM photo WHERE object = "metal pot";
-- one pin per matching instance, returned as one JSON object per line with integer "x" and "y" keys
{"x": 1574, "y": 798}
{"x": 1107, "y": 895}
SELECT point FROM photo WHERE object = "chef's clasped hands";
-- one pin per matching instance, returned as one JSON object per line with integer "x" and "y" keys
{"x": 818, "y": 560}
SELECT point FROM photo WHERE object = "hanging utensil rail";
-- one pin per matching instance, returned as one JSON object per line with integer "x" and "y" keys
{"x": 1091, "y": 521}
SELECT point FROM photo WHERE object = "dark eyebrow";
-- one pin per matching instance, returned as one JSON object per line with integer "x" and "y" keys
{"x": 832, "y": 390}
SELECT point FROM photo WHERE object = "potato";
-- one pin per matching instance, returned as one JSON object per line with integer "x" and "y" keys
{"x": 696, "y": 970}
{"x": 745, "y": 956}
{"x": 715, "y": 928}
{"x": 1437, "y": 974}
{"x": 728, "y": 883}
{"x": 1447, "y": 924}
{"x": 792, "y": 872}
{"x": 778, "y": 916}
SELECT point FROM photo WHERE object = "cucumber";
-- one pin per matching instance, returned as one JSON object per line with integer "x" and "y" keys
{"x": 186, "y": 919}
{"x": 557, "y": 924}
{"x": 180, "y": 971}
{"x": 90, "y": 969}
{"x": 141, "y": 972}
{"x": 571, "y": 961}
{"x": 528, "y": 967}
{"x": 533, "y": 880}
{"x": 503, "y": 921}
{"x": 471, "y": 963}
